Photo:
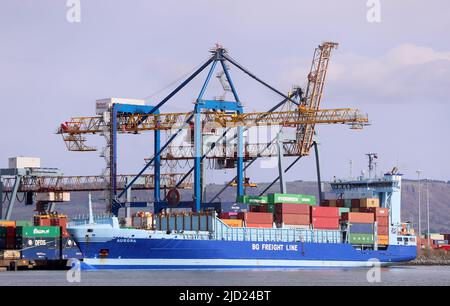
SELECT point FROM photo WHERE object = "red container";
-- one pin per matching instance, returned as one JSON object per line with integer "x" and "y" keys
{"x": 378, "y": 211}
{"x": 355, "y": 203}
{"x": 382, "y": 221}
{"x": 303, "y": 209}
{"x": 229, "y": 215}
{"x": 383, "y": 230}
{"x": 258, "y": 218}
{"x": 325, "y": 203}
{"x": 259, "y": 225}
{"x": 326, "y": 212}
{"x": 355, "y": 217}
{"x": 325, "y": 223}
{"x": 293, "y": 219}
{"x": 340, "y": 203}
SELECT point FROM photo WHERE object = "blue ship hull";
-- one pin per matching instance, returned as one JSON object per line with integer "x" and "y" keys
{"x": 215, "y": 254}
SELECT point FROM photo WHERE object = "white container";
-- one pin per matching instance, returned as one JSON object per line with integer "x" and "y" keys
{"x": 45, "y": 197}
{"x": 53, "y": 197}
{"x": 21, "y": 162}
{"x": 104, "y": 105}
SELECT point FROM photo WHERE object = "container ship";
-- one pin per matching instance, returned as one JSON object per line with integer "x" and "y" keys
{"x": 359, "y": 221}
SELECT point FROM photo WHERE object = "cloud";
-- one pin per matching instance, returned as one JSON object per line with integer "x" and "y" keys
{"x": 405, "y": 73}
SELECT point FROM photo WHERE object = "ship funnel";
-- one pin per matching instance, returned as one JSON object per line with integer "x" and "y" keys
{"x": 91, "y": 215}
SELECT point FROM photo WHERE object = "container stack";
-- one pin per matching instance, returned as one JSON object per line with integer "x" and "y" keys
{"x": 361, "y": 227}
{"x": 326, "y": 218}
{"x": 361, "y": 205}
{"x": 232, "y": 219}
{"x": 382, "y": 219}
{"x": 39, "y": 242}
{"x": 293, "y": 215}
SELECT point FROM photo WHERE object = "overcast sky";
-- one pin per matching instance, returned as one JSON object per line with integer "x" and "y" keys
{"x": 397, "y": 71}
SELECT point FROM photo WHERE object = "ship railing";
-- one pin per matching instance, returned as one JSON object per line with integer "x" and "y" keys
{"x": 224, "y": 232}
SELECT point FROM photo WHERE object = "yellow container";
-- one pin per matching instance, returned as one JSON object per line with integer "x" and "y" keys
{"x": 383, "y": 239}
{"x": 369, "y": 202}
{"x": 233, "y": 222}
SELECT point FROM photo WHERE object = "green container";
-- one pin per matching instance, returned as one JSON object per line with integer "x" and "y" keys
{"x": 343, "y": 210}
{"x": 41, "y": 231}
{"x": 348, "y": 203}
{"x": 24, "y": 223}
{"x": 361, "y": 238}
{"x": 291, "y": 198}
{"x": 252, "y": 200}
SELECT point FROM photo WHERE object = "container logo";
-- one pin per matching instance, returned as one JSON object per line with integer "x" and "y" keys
{"x": 37, "y": 231}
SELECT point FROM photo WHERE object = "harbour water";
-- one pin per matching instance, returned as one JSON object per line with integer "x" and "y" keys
{"x": 401, "y": 276}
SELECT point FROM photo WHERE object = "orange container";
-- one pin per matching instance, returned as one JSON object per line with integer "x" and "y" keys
{"x": 383, "y": 239}
{"x": 7, "y": 223}
{"x": 379, "y": 211}
{"x": 259, "y": 225}
{"x": 369, "y": 203}
{"x": 355, "y": 217}
{"x": 233, "y": 222}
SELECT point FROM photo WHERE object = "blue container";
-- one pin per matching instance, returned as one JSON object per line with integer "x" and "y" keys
{"x": 41, "y": 249}
{"x": 2, "y": 243}
{"x": 361, "y": 228}
{"x": 70, "y": 250}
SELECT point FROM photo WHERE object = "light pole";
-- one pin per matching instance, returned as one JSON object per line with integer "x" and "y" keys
{"x": 420, "y": 216}
{"x": 428, "y": 216}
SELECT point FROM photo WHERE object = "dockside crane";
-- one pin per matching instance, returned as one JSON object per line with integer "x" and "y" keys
{"x": 228, "y": 116}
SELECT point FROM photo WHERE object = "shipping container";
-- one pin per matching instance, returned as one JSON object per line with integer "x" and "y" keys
{"x": 233, "y": 222}
{"x": 354, "y": 217}
{"x": 361, "y": 228}
{"x": 383, "y": 239}
{"x": 348, "y": 203}
{"x": 104, "y": 105}
{"x": 355, "y": 203}
{"x": 10, "y": 255}
{"x": 436, "y": 237}
{"x": 343, "y": 210}
{"x": 24, "y": 223}
{"x": 40, "y": 231}
{"x": 21, "y": 162}
{"x": 293, "y": 219}
{"x": 383, "y": 230}
{"x": 69, "y": 249}
{"x": 248, "y": 199}
{"x": 382, "y": 221}
{"x": 340, "y": 203}
{"x": 361, "y": 238}
{"x": 357, "y": 210}
{"x": 45, "y": 248}
{"x": 291, "y": 198}
{"x": 325, "y": 203}
{"x": 325, "y": 223}
{"x": 7, "y": 223}
{"x": 378, "y": 211}
{"x": 258, "y": 218}
{"x": 229, "y": 215}
{"x": 286, "y": 208}
{"x": 369, "y": 203}
{"x": 328, "y": 212}
{"x": 259, "y": 225}
{"x": 2, "y": 232}
{"x": 332, "y": 203}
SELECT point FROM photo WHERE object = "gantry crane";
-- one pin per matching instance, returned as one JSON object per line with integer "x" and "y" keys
{"x": 227, "y": 116}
